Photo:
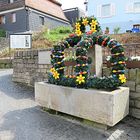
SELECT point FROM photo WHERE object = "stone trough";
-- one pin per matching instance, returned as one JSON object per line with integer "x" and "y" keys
{"x": 103, "y": 107}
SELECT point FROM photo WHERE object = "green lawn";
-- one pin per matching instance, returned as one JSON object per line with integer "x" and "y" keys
{"x": 57, "y": 34}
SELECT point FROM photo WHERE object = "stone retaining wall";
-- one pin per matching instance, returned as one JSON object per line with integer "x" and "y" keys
{"x": 133, "y": 82}
{"x": 29, "y": 68}
{"x": 26, "y": 67}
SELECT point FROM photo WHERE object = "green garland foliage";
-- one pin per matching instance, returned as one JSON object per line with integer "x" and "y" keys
{"x": 82, "y": 79}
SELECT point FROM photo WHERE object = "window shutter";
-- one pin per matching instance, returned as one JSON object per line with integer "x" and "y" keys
{"x": 99, "y": 11}
{"x": 113, "y": 9}
{"x": 129, "y": 8}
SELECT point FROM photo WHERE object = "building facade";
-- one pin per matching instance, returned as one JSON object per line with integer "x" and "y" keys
{"x": 18, "y": 16}
{"x": 115, "y": 13}
{"x": 73, "y": 14}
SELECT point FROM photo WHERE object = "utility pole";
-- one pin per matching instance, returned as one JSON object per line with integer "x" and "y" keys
{"x": 86, "y": 7}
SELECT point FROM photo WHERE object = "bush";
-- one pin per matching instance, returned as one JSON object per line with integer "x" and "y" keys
{"x": 61, "y": 30}
{"x": 116, "y": 30}
{"x": 57, "y": 34}
{"x": 2, "y": 33}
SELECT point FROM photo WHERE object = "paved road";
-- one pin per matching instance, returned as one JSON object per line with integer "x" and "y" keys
{"x": 22, "y": 119}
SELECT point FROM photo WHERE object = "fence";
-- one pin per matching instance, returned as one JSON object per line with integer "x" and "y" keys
{"x": 130, "y": 50}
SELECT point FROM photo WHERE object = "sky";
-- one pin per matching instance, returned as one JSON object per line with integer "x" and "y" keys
{"x": 72, "y": 3}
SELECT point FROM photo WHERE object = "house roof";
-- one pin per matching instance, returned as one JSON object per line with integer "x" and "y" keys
{"x": 8, "y": 6}
{"x": 51, "y": 7}
{"x": 56, "y": 2}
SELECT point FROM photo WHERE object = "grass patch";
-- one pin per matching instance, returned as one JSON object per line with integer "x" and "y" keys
{"x": 57, "y": 34}
{"x": 46, "y": 38}
{"x": 55, "y": 37}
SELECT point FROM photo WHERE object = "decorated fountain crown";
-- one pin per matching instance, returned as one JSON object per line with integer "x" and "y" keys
{"x": 87, "y": 25}
{"x": 82, "y": 41}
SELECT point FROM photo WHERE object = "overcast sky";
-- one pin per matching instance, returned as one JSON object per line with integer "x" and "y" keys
{"x": 72, "y": 3}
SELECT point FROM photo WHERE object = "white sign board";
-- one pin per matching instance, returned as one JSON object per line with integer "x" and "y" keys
{"x": 44, "y": 57}
{"x": 20, "y": 41}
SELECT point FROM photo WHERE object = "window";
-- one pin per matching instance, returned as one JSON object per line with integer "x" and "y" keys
{"x": 10, "y": 1}
{"x": 13, "y": 17}
{"x": 2, "y": 19}
{"x": 41, "y": 20}
{"x": 132, "y": 7}
{"x": 105, "y": 11}
{"x": 137, "y": 7}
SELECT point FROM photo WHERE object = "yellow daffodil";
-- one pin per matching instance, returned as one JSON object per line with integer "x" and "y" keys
{"x": 77, "y": 25}
{"x": 80, "y": 79}
{"x": 85, "y": 21}
{"x": 93, "y": 30}
{"x": 78, "y": 32}
{"x": 52, "y": 70}
{"x": 78, "y": 29}
{"x": 94, "y": 23}
{"x": 56, "y": 75}
{"x": 93, "y": 26}
{"x": 122, "y": 78}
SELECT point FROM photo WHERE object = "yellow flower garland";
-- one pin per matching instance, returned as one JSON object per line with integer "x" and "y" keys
{"x": 93, "y": 26}
{"x": 78, "y": 32}
{"x": 52, "y": 70}
{"x": 80, "y": 79}
{"x": 56, "y": 75}
{"x": 122, "y": 78}
{"x": 85, "y": 22}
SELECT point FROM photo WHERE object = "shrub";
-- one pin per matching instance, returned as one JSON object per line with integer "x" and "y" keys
{"x": 2, "y": 33}
{"x": 116, "y": 30}
{"x": 61, "y": 30}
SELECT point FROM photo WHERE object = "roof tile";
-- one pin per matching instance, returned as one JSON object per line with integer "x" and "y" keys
{"x": 51, "y": 7}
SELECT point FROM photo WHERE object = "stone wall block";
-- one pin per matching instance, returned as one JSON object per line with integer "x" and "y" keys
{"x": 31, "y": 61}
{"x": 126, "y": 73}
{"x": 132, "y": 74}
{"x": 24, "y": 53}
{"x": 41, "y": 66}
{"x": 138, "y": 77}
{"x": 131, "y": 85}
{"x": 20, "y": 54}
{"x": 138, "y": 88}
{"x": 35, "y": 53}
{"x": 135, "y": 112}
{"x": 132, "y": 103}
{"x": 137, "y": 103}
